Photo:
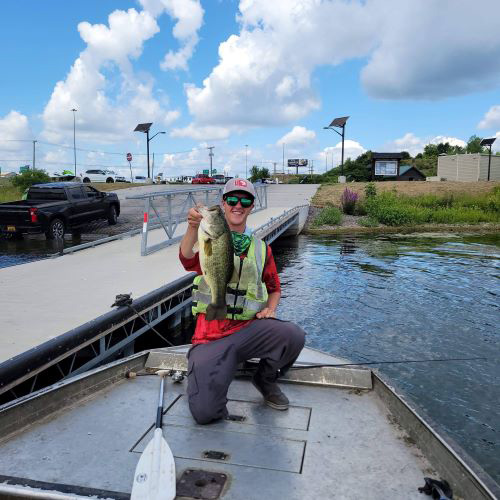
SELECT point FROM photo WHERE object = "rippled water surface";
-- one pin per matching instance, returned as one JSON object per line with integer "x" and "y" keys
{"x": 405, "y": 297}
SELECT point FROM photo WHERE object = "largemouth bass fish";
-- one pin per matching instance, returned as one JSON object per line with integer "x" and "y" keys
{"x": 216, "y": 258}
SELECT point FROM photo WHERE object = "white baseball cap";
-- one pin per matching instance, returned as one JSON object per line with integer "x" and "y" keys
{"x": 239, "y": 185}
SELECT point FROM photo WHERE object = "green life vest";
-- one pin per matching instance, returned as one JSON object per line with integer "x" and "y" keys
{"x": 246, "y": 293}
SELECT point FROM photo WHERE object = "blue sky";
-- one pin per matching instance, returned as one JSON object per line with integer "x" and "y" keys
{"x": 225, "y": 73}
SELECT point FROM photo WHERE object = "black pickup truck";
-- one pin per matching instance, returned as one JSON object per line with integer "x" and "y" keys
{"x": 57, "y": 207}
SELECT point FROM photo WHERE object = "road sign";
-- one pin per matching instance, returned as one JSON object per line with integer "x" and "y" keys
{"x": 24, "y": 168}
{"x": 214, "y": 171}
{"x": 205, "y": 172}
{"x": 129, "y": 156}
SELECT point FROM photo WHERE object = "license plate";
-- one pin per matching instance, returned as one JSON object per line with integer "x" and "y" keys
{"x": 11, "y": 229}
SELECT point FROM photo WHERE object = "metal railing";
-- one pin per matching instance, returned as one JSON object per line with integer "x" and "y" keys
{"x": 167, "y": 209}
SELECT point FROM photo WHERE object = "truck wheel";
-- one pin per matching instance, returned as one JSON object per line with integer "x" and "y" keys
{"x": 86, "y": 179}
{"x": 112, "y": 215}
{"x": 55, "y": 230}
{"x": 109, "y": 180}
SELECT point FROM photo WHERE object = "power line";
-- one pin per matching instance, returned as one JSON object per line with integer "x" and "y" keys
{"x": 65, "y": 146}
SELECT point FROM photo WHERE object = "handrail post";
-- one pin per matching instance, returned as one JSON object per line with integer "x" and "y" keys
{"x": 145, "y": 227}
{"x": 170, "y": 222}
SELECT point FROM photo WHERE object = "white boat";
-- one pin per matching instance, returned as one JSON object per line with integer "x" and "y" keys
{"x": 347, "y": 435}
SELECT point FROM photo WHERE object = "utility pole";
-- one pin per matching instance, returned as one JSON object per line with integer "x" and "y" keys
{"x": 246, "y": 161}
{"x": 274, "y": 164}
{"x": 326, "y": 162}
{"x": 211, "y": 154}
{"x": 74, "y": 135}
{"x": 283, "y": 158}
{"x": 34, "y": 142}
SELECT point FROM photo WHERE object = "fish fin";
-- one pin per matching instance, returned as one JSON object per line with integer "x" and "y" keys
{"x": 207, "y": 247}
{"x": 215, "y": 312}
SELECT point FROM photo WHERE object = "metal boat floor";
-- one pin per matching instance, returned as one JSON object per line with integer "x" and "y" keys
{"x": 331, "y": 443}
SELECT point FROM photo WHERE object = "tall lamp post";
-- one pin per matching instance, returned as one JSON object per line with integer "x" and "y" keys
{"x": 339, "y": 123}
{"x": 144, "y": 127}
{"x": 488, "y": 143}
{"x": 74, "y": 135}
{"x": 246, "y": 161}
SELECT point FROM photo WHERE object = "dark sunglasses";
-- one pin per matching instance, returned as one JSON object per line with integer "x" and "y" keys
{"x": 232, "y": 201}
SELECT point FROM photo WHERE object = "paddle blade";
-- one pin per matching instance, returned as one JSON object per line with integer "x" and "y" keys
{"x": 154, "y": 477}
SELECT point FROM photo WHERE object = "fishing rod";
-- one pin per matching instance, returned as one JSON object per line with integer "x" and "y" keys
{"x": 397, "y": 362}
{"x": 307, "y": 366}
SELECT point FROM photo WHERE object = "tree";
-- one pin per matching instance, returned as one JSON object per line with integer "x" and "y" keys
{"x": 30, "y": 177}
{"x": 257, "y": 173}
{"x": 474, "y": 146}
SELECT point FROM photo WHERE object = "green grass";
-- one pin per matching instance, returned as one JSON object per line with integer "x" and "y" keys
{"x": 8, "y": 192}
{"x": 329, "y": 216}
{"x": 394, "y": 209}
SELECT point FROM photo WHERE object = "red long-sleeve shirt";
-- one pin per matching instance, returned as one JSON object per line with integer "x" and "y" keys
{"x": 206, "y": 331}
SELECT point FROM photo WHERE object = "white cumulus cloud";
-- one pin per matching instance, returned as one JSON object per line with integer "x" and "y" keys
{"x": 297, "y": 136}
{"x": 109, "y": 97}
{"x": 332, "y": 155}
{"x": 15, "y": 141}
{"x": 415, "y": 145}
{"x": 491, "y": 119}
{"x": 429, "y": 50}
{"x": 189, "y": 19}
{"x": 263, "y": 76}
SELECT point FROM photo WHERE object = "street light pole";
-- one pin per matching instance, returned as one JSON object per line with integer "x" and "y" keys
{"x": 339, "y": 123}
{"x": 211, "y": 155}
{"x": 74, "y": 135}
{"x": 34, "y": 142}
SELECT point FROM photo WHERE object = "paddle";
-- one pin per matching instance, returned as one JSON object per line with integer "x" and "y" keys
{"x": 154, "y": 477}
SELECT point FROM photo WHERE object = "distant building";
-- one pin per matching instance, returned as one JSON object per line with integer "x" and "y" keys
{"x": 387, "y": 167}
{"x": 468, "y": 167}
{"x": 410, "y": 173}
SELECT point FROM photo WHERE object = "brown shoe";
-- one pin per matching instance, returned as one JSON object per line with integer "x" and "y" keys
{"x": 273, "y": 395}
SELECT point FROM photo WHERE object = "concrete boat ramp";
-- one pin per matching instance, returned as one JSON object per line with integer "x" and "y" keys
{"x": 43, "y": 300}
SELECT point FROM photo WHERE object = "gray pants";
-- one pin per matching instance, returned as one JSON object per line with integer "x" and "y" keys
{"x": 212, "y": 366}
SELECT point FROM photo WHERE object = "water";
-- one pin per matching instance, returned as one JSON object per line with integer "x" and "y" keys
{"x": 403, "y": 297}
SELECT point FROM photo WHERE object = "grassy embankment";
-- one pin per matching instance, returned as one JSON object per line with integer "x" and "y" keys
{"x": 10, "y": 193}
{"x": 410, "y": 206}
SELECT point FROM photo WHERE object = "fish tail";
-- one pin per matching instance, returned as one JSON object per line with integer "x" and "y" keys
{"x": 215, "y": 311}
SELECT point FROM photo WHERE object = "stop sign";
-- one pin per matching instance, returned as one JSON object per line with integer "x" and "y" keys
{"x": 129, "y": 156}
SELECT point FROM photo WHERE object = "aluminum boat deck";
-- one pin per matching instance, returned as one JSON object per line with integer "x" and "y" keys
{"x": 339, "y": 439}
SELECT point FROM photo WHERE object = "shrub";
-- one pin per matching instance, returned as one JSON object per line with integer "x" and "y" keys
{"x": 348, "y": 201}
{"x": 27, "y": 179}
{"x": 329, "y": 216}
{"x": 370, "y": 190}
{"x": 360, "y": 208}
{"x": 368, "y": 222}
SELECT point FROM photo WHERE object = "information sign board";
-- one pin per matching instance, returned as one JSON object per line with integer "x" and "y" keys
{"x": 24, "y": 168}
{"x": 388, "y": 168}
{"x": 205, "y": 172}
{"x": 296, "y": 162}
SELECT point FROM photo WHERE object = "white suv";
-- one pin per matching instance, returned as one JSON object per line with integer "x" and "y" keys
{"x": 99, "y": 176}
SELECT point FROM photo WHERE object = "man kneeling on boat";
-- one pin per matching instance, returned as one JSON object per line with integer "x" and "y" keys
{"x": 253, "y": 332}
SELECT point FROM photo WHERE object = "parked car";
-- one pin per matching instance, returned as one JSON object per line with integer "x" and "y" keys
{"x": 219, "y": 179}
{"x": 139, "y": 178}
{"x": 98, "y": 175}
{"x": 203, "y": 179}
{"x": 120, "y": 178}
{"x": 56, "y": 208}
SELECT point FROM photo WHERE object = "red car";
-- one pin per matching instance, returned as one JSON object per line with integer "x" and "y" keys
{"x": 203, "y": 179}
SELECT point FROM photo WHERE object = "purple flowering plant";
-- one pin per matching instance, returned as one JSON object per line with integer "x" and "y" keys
{"x": 348, "y": 201}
